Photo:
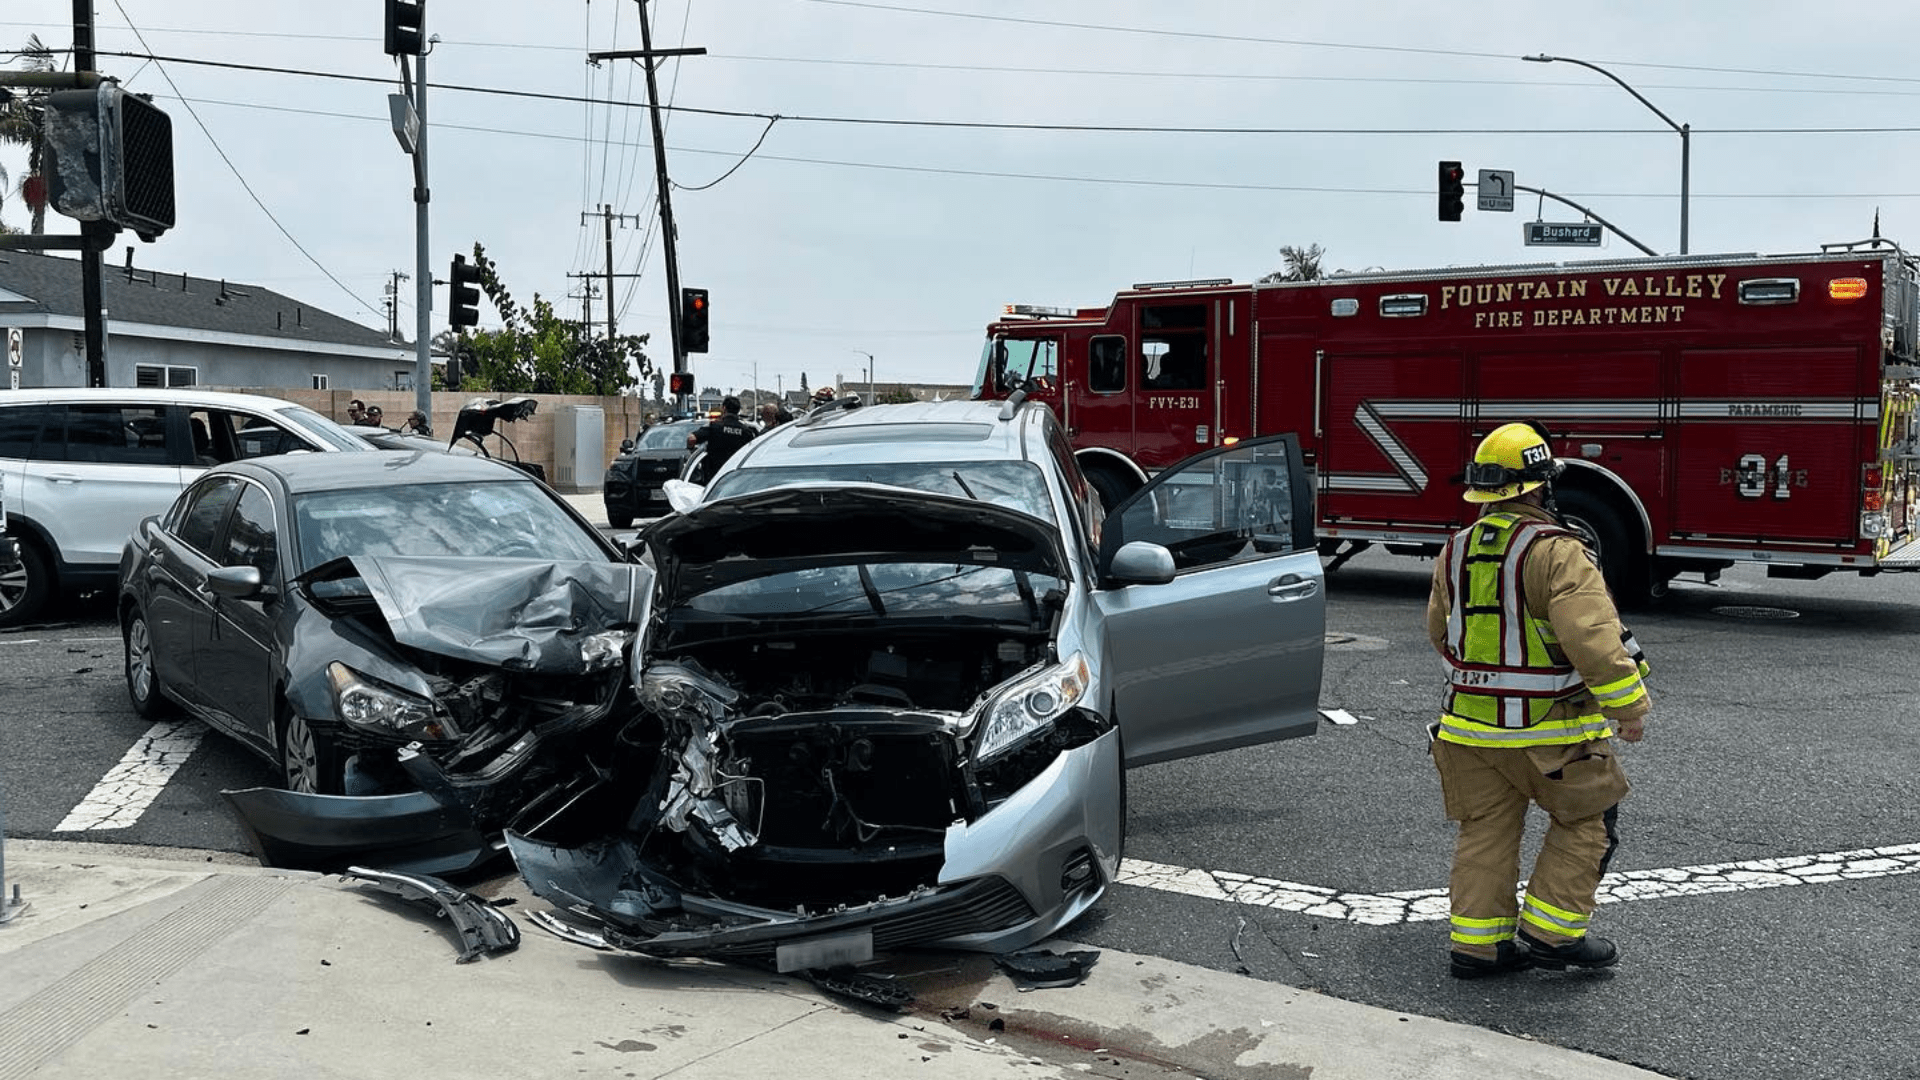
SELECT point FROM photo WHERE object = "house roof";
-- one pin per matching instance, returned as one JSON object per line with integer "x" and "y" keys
{"x": 51, "y": 284}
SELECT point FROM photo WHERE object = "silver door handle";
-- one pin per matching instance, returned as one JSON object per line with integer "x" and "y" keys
{"x": 1293, "y": 587}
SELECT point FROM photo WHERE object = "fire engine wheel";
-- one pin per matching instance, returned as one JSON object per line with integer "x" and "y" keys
{"x": 1621, "y": 561}
{"x": 1110, "y": 488}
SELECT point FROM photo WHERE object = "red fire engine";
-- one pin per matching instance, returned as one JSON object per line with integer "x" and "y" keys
{"x": 1711, "y": 409}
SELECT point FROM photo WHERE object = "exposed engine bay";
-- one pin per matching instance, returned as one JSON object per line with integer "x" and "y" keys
{"x": 809, "y": 769}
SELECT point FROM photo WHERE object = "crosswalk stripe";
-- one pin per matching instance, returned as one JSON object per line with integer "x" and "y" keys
{"x": 125, "y": 792}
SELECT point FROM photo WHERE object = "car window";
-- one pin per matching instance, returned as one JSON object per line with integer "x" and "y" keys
{"x": 1228, "y": 506}
{"x": 206, "y": 505}
{"x": 22, "y": 428}
{"x": 250, "y": 533}
{"x": 117, "y": 434}
{"x": 1016, "y": 484}
{"x": 316, "y": 429}
{"x": 503, "y": 518}
{"x": 665, "y": 437}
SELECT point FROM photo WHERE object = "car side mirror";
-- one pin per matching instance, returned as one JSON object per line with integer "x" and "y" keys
{"x": 1141, "y": 563}
{"x": 239, "y": 582}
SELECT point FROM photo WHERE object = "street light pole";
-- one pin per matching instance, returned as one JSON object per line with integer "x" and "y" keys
{"x": 1686, "y": 131}
{"x": 869, "y": 371}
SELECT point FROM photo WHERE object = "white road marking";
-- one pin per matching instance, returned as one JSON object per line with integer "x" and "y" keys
{"x": 1421, "y": 905}
{"x": 122, "y": 795}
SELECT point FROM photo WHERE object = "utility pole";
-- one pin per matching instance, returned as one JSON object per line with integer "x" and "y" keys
{"x": 393, "y": 303}
{"x": 646, "y": 55}
{"x": 608, "y": 216}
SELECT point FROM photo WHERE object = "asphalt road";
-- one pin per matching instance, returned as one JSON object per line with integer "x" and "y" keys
{"x": 1782, "y": 729}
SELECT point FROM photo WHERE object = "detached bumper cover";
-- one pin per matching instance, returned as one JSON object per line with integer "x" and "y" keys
{"x": 412, "y": 833}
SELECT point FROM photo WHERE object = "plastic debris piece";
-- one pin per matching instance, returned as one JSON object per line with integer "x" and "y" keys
{"x": 1340, "y": 716}
{"x": 482, "y": 927}
{"x": 1044, "y": 969}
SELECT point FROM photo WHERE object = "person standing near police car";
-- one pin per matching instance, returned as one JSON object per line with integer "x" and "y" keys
{"x": 1540, "y": 671}
{"x": 722, "y": 437}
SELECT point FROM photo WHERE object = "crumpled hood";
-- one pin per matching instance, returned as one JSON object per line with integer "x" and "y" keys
{"x": 746, "y": 536}
{"x": 518, "y": 614}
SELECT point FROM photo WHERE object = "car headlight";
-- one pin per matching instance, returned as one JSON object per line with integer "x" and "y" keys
{"x": 1028, "y": 704}
{"x": 368, "y": 703}
{"x": 604, "y": 650}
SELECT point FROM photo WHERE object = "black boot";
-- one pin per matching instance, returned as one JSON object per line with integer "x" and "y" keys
{"x": 1583, "y": 952}
{"x": 1510, "y": 956}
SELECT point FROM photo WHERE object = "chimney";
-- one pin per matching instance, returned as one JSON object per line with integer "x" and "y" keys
{"x": 129, "y": 262}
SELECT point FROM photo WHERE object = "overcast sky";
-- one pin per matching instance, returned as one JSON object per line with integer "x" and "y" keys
{"x": 851, "y": 232}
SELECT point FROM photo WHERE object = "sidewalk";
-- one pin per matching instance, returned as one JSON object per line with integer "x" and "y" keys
{"x": 131, "y": 962}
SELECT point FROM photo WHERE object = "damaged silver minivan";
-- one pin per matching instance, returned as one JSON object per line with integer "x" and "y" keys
{"x": 889, "y": 668}
{"x": 896, "y": 667}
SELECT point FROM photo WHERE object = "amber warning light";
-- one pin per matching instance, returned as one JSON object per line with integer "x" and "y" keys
{"x": 1847, "y": 288}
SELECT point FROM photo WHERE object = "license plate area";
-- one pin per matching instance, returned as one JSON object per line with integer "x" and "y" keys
{"x": 828, "y": 950}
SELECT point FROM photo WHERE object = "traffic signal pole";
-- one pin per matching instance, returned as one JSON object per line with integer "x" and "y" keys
{"x": 422, "y": 268}
{"x": 96, "y": 235}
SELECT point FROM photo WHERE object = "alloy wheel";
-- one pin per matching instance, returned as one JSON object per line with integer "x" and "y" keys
{"x": 300, "y": 756}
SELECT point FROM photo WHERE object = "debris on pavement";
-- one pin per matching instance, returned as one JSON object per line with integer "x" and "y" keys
{"x": 1043, "y": 969}
{"x": 1340, "y": 716}
{"x": 483, "y": 928}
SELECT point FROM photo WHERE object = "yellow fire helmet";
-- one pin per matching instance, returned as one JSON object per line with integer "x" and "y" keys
{"x": 1512, "y": 460}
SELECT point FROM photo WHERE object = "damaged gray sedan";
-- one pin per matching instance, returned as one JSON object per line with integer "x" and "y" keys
{"x": 895, "y": 665}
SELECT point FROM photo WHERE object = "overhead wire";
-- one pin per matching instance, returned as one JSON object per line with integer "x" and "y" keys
{"x": 237, "y": 175}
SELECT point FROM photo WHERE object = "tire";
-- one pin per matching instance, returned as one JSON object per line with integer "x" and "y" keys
{"x": 143, "y": 678}
{"x": 309, "y": 760}
{"x": 1109, "y": 487}
{"x": 25, "y": 590}
{"x": 1623, "y": 561}
{"x": 619, "y": 519}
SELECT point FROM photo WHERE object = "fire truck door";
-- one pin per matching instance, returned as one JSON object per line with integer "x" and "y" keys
{"x": 1174, "y": 366}
{"x": 1771, "y": 444}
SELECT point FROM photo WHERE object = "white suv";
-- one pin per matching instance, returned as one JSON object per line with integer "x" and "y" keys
{"x": 81, "y": 467}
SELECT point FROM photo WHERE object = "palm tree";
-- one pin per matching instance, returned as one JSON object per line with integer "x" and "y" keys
{"x": 21, "y": 124}
{"x": 1299, "y": 264}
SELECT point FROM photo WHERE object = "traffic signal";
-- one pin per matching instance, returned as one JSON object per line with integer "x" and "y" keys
{"x": 406, "y": 27}
{"x": 1453, "y": 190}
{"x": 693, "y": 320}
{"x": 110, "y": 159}
{"x": 463, "y": 298}
{"x": 681, "y": 383}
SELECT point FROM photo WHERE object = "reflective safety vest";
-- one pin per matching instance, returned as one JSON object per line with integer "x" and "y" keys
{"x": 1504, "y": 666}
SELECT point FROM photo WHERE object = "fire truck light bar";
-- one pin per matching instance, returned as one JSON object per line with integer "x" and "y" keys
{"x": 1041, "y": 311}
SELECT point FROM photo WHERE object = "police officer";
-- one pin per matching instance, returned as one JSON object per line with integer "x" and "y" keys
{"x": 723, "y": 437}
{"x": 1541, "y": 676}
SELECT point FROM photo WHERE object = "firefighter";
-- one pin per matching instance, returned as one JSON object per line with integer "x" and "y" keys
{"x": 1540, "y": 673}
{"x": 723, "y": 437}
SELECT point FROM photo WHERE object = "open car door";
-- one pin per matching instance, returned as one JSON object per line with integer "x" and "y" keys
{"x": 1228, "y": 653}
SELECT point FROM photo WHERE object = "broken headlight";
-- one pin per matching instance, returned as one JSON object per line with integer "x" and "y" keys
{"x": 1028, "y": 705}
{"x": 366, "y": 702}
{"x": 604, "y": 650}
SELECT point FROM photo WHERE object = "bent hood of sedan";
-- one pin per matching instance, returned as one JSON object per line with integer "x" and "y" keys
{"x": 516, "y": 614}
{"x": 751, "y": 535}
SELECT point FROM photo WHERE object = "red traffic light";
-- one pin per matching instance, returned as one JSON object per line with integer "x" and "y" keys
{"x": 681, "y": 382}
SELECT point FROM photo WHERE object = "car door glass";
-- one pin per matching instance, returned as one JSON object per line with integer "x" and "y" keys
{"x": 1229, "y": 505}
{"x": 117, "y": 434}
{"x": 256, "y": 436}
{"x": 250, "y": 533}
{"x": 23, "y": 428}
{"x": 207, "y": 505}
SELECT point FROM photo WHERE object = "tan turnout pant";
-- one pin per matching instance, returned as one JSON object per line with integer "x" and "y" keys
{"x": 1487, "y": 791}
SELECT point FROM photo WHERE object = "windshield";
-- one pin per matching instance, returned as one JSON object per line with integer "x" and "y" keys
{"x": 664, "y": 437}
{"x": 504, "y": 519}
{"x": 1006, "y": 363}
{"x": 320, "y": 429}
{"x": 885, "y": 589}
{"x": 1015, "y": 484}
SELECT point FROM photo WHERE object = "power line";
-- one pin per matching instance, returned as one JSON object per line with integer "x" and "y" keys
{"x": 492, "y": 129}
{"x": 231, "y": 167}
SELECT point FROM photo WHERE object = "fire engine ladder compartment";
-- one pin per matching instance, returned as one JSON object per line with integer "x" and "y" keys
{"x": 1904, "y": 557}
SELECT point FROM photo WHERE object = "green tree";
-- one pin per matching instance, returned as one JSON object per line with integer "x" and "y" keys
{"x": 1299, "y": 264}
{"x": 536, "y": 351}
{"x": 22, "y": 124}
